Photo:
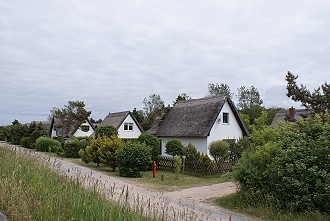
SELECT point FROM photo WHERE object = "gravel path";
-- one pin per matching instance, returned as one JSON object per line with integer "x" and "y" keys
{"x": 187, "y": 204}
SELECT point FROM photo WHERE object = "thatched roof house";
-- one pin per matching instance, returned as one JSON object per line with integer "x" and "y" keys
{"x": 201, "y": 121}
{"x": 290, "y": 115}
{"x": 76, "y": 128}
{"x": 124, "y": 122}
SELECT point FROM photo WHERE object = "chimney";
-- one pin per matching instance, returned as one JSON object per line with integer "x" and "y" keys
{"x": 292, "y": 112}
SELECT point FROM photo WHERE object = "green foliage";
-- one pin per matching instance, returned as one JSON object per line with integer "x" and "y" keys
{"x": 182, "y": 97}
{"x": 133, "y": 158}
{"x": 266, "y": 134}
{"x": 178, "y": 164}
{"x": 174, "y": 147}
{"x": 46, "y": 144}
{"x": 238, "y": 148}
{"x": 108, "y": 150}
{"x": 191, "y": 152}
{"x": 91, "y": 153}
{"x": 72, "y": 147}
{"x": 25, "y": 142}
{"x": 106, "y": 131}
{"x": 138, "y": 115}
{"x": 219, "y": 149}
{"x": 292, "y": 164}
{"x": 219, "y": 89}
{"x": 153, "y": 142}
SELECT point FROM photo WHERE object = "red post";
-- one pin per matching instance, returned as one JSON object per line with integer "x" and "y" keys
{"x": 154, "y": 166}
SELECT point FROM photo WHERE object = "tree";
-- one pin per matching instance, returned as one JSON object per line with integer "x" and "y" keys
{"x": 219, "y": 149}
{"x": 181, "y": 97}
{"x": 317, "y": 100}
{"x": 68, "y": 116}
{"x": 219, "y": 89}
{"x": 174, "y": 147}
{"x": 108, "y": 150}
{"x": 153, "y": 142}
{"x": 249, "y": 102}
{"x": 138, "y": 115}
{"x": 152, "y": 104}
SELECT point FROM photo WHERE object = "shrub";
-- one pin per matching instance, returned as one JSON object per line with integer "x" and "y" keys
{"x": 153, "y": 142}
{"x": 219, "y": 149}
{"x": 237, "y": 149}
{"x": 45, "y": 144}
{"x": 133, "y": 158}
{"x": 91, "y": 152}
{"x": 106, "y": 131}
{"x": 25, "y": 142}
{"x": 295, "y": 168}
{"x": 174, "y": 147}
{"x": 72, "y": 147}
{"x": 108, "y": 150}
{"x": 191, "y": 152}
{"x": 178, "y": 164}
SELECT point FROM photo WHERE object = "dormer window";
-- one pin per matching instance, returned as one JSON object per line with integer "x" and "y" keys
{"x": 84, "y": 128}
{"x": 128, "y": 126}
{"x": 225, "y": 118}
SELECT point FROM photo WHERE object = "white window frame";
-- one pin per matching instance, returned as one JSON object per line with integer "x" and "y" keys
{"x": 223, "y": 118}
{"x": 128, "y": 126}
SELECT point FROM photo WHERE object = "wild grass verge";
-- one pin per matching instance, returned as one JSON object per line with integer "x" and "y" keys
{"x": 30, "y": 190}
{"x": 264, "y": 208}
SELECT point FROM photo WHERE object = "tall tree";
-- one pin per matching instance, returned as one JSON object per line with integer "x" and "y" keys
{"x": 317, "y": 100}
{"x": 182, "y": 97}
{"x": 152, "y": 104}
{"x": 250, "y": 102}
{"x": 68, "y": 116}
{"x": 219, "y": 89}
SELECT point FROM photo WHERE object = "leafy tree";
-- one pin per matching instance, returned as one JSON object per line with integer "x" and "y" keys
{"x": 219, "y": 149}
{"x": 152, "y": 104}
{"x": 107, "y": 131}
{"x": 249, "y": 102}
{"x": 138, "y": 115}
{"x": 317, "y": 100}
{"x": 174, "y": 147}
{"x": 219, "y": 89}
{"x": 153, "y": 142}
{"x": 68, "y": 116}
{"x": 133, "y": 158}
{"x": 182, "y": 97}
{"x": 91, "y": 153}
{"x": 17, "y": 131}
{"x": 108, "y": 150}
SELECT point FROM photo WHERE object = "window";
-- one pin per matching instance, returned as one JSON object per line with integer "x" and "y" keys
{"x": 225, "y": 118}
{"x": 128, "y": 126}
{"x": 84, "y": 128}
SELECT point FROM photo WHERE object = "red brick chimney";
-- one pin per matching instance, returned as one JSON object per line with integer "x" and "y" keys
{"x": 292, "y": 112}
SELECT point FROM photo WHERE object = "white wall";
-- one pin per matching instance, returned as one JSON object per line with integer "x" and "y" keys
{"x": 80, "y": 133}
{"x": 200, "y": 143}
{"x": 129, "y": 134}
{"x": 220, "y": 130}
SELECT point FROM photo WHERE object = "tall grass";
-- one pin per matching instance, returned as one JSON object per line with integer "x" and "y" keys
{"x": 30, "y": 190}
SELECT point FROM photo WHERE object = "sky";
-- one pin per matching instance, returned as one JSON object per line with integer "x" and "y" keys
{"x": 112, "y": 54}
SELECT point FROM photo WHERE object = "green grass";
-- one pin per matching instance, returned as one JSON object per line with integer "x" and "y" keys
{"x": 265, "y": 211}
{"x": 170, "y": 182}
{"x": 30, "y": 190}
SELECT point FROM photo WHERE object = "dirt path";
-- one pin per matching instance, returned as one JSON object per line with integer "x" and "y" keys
{"x": 187, "y": 204}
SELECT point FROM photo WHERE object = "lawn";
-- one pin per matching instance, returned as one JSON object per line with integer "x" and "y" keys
{"x": 169, "y": 182}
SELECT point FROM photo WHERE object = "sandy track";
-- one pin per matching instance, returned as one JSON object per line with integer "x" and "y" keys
{"x": 187, "y": 204}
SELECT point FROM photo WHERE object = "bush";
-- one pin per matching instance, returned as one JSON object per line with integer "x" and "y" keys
{"x": 154, "y": 143}
{"x": 133, "y": 158}
{"x": 108, "y": 150}
{"x": 72, "y": 147}
{"x": 25, "y": 142}
{"x": 191, "y": 152}
{"x": 236, "y": 149}
{"x": 219, "y": 149}
{"x": 106, "y": 131}
{"x": 295, "y": 168}
{"x": 91, "y": 152}
{"x": 178, "y": 164}
{"x": 174, "y": 147}
{"x": 46, "y": 144}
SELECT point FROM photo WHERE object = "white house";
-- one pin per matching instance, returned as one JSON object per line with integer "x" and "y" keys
{"x": 85, "y": 129}
{"x": 201, "y": 121}
{"x": 125, "y": 123}
{"x": 77, "y": 129}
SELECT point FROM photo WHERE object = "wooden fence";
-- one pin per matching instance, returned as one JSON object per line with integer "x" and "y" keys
{"x": 196, "y": 167}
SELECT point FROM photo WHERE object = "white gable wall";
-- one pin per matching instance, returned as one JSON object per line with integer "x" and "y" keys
{"x": 80, "y": 133}
{"x": 135, "y": 133}
{"x": 221, "y": 130}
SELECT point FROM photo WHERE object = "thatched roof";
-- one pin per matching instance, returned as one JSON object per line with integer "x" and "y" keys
{"x": 195, "y": 117}
{"x": 155, "y": 126}
{"x": 116, "y": 119}
{"x": 284, "y": 116}
{"x": 65, "y": 131}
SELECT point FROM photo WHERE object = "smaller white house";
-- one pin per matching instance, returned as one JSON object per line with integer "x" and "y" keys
{"x": 125, "y": 123}
{"x": 77, "y": 129}
{"x": 201, "y": 121}
{"x": 85, "y": 129}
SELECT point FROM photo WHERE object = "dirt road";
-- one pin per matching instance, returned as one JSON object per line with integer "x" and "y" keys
{"x": 187, "y": 204}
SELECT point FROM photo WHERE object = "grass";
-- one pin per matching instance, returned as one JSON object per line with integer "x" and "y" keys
{"x": 31, "y": 190}
{"x": 265, "y": 211}
{"x": 170, "y": 183}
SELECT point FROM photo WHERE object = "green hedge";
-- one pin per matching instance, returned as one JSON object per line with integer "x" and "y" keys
{"x": 72, "y": 147}
{"x": 46, "y": 144}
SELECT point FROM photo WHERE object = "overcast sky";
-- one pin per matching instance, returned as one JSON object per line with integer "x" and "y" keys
{"x": 112, "y": 54}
